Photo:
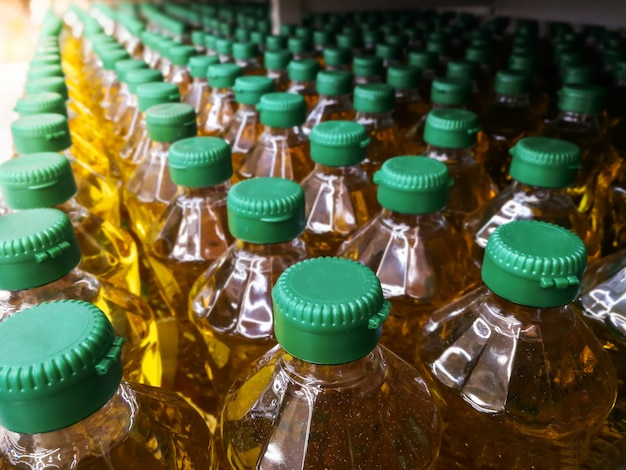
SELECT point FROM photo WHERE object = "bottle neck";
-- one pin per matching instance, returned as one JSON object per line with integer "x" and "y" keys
{"x": 448, "y": 106}
{"x": 398, "y": 219}
{"x": 582, "y": 120}
{"x": 282, "y": 132}
{"x": 370, "y": 120}
{"x": 246, "y": 109}
{"x": 511, "y": 101}
{"x": 222, "y": 93}
{"x": 534, "y": 192}
{"x": 407, "y": 95}
{"x": 443, "y": 154}
{"x": 209, "y": 192}
{"x": 200, "y": 82}
{"x": 266, "y": 250}
{"x": 337, "y": 171}
{"x": 73, "y": 209}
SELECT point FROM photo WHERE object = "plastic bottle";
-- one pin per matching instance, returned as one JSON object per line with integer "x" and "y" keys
{"x": 107, "y": 78}
{"x": 179, "y": 73}
{"x": 50, "y": 133}
{"x": 426, "y": 62}
{"x": 337, "y": 58}
{"x": 276, "y": 62}
{"x": 221, "y": 106}
{"x": 339, "y": 196}
{"x": 122, "y": 99}
{"x": 301, "y": 48}
{"x": 39, "y": 254}
{"x": 334, "y": 103}
{"x": 302, "y": 80}
{"x": 421, "y": 260}
{"x": 246, "y": 55}
{"x": 409, "y": 106}
{"x": 224, "y": 49}
{"x": 367, "y": 69}
{"x": 522, "y": 382}
{"x": 85, "y": 416}
{"x": 282, "y": 150}
{"x": 199, "y": 90}
{"x": 245, "y": 128}
{"x": 451, "y": 137}
{"x": 327, "y": 400}
{"x": 389, "y": 53}
{"x": 468, "y": 70}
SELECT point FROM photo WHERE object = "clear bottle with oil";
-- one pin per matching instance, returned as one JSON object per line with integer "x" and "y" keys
{"x": 87, "y": 416}
{"x": 337, "y": 58}
{"x": 247, "y": 56}
{"x": 521, "y": 381}
{"x": 410, "y": 108}
{"x": 367, "y": 69}
{"x": 199, "y": 90}
{"x": 541, "y": 171}
{"x": 245, "y": 129}
{"x": 340, "y": 198}
{"x": 421, "y": 260}
{"x": 179, "y": 73}
{"x": 426, "y": 62}
{"x": 468, "y": 70}
{"x": 39, "y": 257}
{"x": 334, "y": 89}
{"x": 301, "y": 48}
{"x": 221, "y": 106}
{"x": 276, "y": 63}
{"x": 450, "y": 135}
{"x": 122, "y": 100}
{"x": 302, "y": 80}
{"x": 107, "y": 77}
{"x": 224, "y": 49}
{"x": 320, "y": 393}
{"x": 282, "y": 150}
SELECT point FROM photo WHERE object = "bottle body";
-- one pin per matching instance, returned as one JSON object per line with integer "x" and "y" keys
{"x": 134, "y": 151}
{"x": 329, "y": 108}
{"x": 385, "y": 140}
{"x": 409, "y": 109}
{"x": 308, "y": 90}
{"x": 242, "y": 132}
{"x": 197, "y": 95}
{"x": 218, "y": 112}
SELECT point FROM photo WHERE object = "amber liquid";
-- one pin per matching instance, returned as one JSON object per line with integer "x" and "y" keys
{"x": 197, "y": 95}
{"x": 242, "y": 132}
{"x": 409, "y": 109}
{"x": 308, "y": 90}
{"x": 329, "y": 108}
{"x": 180, "y": 77}
{"x": 134, "y": 151}
{"x": 218, "y": 112}
{"x": 611, "y": 212}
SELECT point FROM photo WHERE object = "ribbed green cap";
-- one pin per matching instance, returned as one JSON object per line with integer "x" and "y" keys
{"x": 242, "y": 35}
{"x": 199, "y": 65}
{"x": 51, "y": 84}
{"x": 266, "y": 210}
{"x": 200, "y": 162}
{"x": 41, "y": 133}
{"x": 122, "y": 67}
{"x": 451, "y": 128}
{"x": 249, "y": 90}
{"x": 303, "y": 70}
{"x": 180, "y": 55}
{"x": 413, "y": 185}
{"x": 338, "y": 143}
{"x": 277, "y": 59}
{"x": 512, "y": 82}
{"x": 322, "y": 38}
{"x": 36, "y": 180}
{"x": 367, "y": 66}
{"x": 584, "y": 99}
{"x": 578, "y": 75}
{"x": 523, "y": 62}
{"x": 337, "y": 56}
{"x": 258, "y": 38}
{"x": 533, "y": 263}
{"x": 478, "y": 54}
{"x": 374, "y": 98}
{"x": 224, "y": 46}
{"x": 170, "y": 122}
{"x": 37, "y": 246}
{"x": 223, "y": 75}
{"x": 198, "y": 38}
{"x": 41, "y": 103}
{"x": 329, "y": 310}
{"x": 137, "y": 77}
{"x": 388, "y": 51}
{"x": 209, "y": 41}
{"x": 347, "y": 41}
{"x": 299, "y": 45}
{"x": 423, "y": 59}
{"x": 276, "y": 43}
{"x": 334, "y": 82}
{"x": 43, "y": 71}
{"x": 110, "y": 57}
{"x": 545, "y": 162}
{"x": 437, "y": 46}
{"x": 245, "y": 50}
{"x": 45, "y": 59}
{"x": 154, "y": 93}
{"x": 60, "y": 362}
{"x": 404, "y": 76}
{"x": 465, "y": 69}
{"x": 282, "y": 110}
{"x": 450, "y": 91}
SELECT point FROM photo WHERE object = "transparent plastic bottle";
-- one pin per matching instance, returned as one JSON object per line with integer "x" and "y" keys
{"x": 282, "y": 150}
{"x": 224, "y": 49}
{"x": 450, "y": 135}
{"x": 51, "y": 133}
{"x": 301, "y": 48}
{"x": 410, "y": 108}
{"x": 426, "y": 62}
{"x": 122, "y": 100}
{"x": 209, "y": 44}
{"x": 421, "y": 260}
{"x": 326, "y": 401}
{"x": 245, "y": 128}
{"x": 86, "y": 416}
{"x": 337, "y": 58}
{"x": 522, "y": 382}
{"x": 302, "y": 80}
{"x": 276, "y": 62}
{"x": 198, "y": 39}
{"x": 246, "y": 55}
{"x": 468, "y": 70}
{"x": 221, "y": 106}
{"x": 39, "y": 255}
{"x": 367, "y": 69}
{"x": 339, "y": 196}
{"x": 541, "y": 170}
{"x": 179, "y": 73}
{"x": 334, "y": 103}
{"x": 199, "y": 90}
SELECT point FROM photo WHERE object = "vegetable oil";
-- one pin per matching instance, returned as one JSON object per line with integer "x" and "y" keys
{"x": 409, "y": 106}
{"x": 334, "y": 104}
{"x": 302, "y": 76}
{"x": 221, "y": 106}
{"x": 276, "y": 62}
{"x": 199, "y": 90}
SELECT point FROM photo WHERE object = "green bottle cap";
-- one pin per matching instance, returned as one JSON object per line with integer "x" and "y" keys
{"x": 170, "y": 122}
{"x": 61, "y": 362}
{"x": 199, "y": 65}
{"x": 334, "y": 82}
{"x": 465, "y": 69}
{"x": 337, "y": 56}
{"x": 450, "y": 91}
{"x": 245, "y": 50}
{"x": 578, "y": 75}
{"x": 584, "y": 99}
{"x": 299, "y": 45}
{"x": 338, "y": 143}
{"x": 198, "y": 38}
{"x": 282, "y": 110}
{"x": 37, "y": 246}
{"x": 224, "y": 46}
{"x": 258, "y": 38}
{"x": 403, "y": 77}
{"x": 200, "y": 162}
{"x": 424, "y": 60}
{"x": 276, "y": 43}
{"x": 36, "y": 180}
{"x": 277, "y": 59}
{"x": 137, "y": 77}
{"x": 478, "y": 54}
{"x": 533, "y": 263}
{"x": 110, "y": 57}
{"x": 180, "y": 55}
{"x": 347, "y": 41}
{"x": 413, "y": 185}
{"x": 523, "y": 63}
{"x": 266, "y": 210}
{"x": 41, "y": 103}
{"x": 304, "y": 32}
{"x": 122, "y": 67}
{"x": 223, "y": 75}
{"x": 569, "y": 58}
{"x": 451, "y": 128}
{"x": 43, "y": 71}
{"x": 41, "y": 133}
{"x": 152, "y": 94}
{"x": 249, "y": 90}
{"x": 45, "y": 59}
{"x": 388, "y": 51}
{"x": 322, "y": 38}
{"x": 303, "y": 70}
{"x": 371, "y": 36}
{"x": 437, "y": 46}
{"x": 374, "y": 98}
{"x": 209, "y": 41}
{"x": 544, "y": 162}
{"x": 51, "y": 84}
{"x": 367, "y": 66}
{"x": 512, "y": 82}
{"x": 329, "y": 310}
{"x": 287, "y": 29}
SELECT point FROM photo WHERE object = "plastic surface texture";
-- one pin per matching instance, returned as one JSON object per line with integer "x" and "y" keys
{"x": 200, "y": 162}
